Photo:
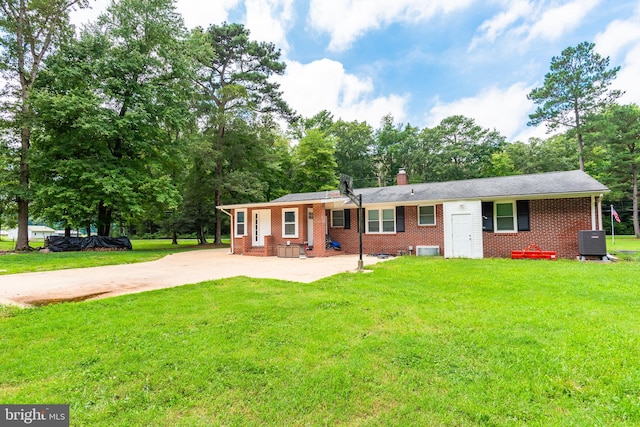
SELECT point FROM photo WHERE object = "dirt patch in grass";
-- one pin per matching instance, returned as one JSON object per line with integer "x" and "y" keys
{"x": 49, "y": 301}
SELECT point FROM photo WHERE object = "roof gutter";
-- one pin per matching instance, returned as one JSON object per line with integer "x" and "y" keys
{"x": 288, "y": 203}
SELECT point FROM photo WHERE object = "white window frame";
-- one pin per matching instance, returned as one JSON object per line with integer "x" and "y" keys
{"x": 246, "y": 229}
{"x": 380, "y": 220}
{"x": 333, "y": 224}
{"x": 434, "y": 215}
{"x": 514, "y": 210}
{"x": 296, "y": 223}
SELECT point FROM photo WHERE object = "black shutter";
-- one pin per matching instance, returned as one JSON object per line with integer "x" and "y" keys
{"x": 487, "y": 216}
{"x": 399, "y": 219}
{"x": 523, "y": 215}
{"x": 347, "y": 219}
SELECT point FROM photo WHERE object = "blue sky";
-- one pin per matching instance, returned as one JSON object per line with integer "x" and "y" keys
{"x": 424, "y": 60}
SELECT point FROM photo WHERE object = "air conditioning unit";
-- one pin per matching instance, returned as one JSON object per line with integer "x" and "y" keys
{"x": 427, "y": 250}
{"x": 592, "y": 243}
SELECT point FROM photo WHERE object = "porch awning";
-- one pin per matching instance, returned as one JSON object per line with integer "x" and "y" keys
{"x": 336, "y": 201}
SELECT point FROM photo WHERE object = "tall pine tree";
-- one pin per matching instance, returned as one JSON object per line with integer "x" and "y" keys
{"x": 576, "y": 85}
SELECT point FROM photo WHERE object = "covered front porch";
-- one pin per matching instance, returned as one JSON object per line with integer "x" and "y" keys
{"x": 275, "y": 230}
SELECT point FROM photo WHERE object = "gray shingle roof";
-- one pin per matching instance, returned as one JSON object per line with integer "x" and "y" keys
{"x": 518, "y": 186}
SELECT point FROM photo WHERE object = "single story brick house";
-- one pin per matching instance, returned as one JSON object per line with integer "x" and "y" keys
{"x": 475, "y": 218}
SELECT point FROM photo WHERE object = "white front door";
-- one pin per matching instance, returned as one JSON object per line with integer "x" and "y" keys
{"x": 462, "y": 243}
{"x": 261, "y": 226}
{"x": 310, "y": 226}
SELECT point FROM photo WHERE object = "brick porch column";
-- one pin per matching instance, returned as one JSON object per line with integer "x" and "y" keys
{"x": 319, "y": 230}
{"x": 269, "y": 246}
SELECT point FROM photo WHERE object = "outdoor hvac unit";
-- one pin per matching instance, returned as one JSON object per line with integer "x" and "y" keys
{"x": 592, "y": 243}
{"x": 427, "y": 250}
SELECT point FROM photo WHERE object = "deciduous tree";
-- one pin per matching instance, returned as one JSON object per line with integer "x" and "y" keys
{"x": 390, "y": 149}
{"x": 110, "y": 110}
{"x": 463, "y": 149}
{"x": 556, "y": 153}
{"x": 314, "y": 162}
{"x": 354, "y": 142}
{"x": 28, "y": 31}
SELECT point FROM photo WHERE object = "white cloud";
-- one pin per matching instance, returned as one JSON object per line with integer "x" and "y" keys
{"x": 194, "y": 12}
{"x": 627, "y": 79}
{"x": 325, "y": 85}
{"x": 347, "y": 20}
{"x": 617, "y": 36}
{"x": 499, "y": 24}
{"x": 525, "y": 21}
{"x": 506, "y": 110}
{"x": 197, "y": 13}
{"x": 269, "y": 21}
{"x": 621, "y": 41}
{"x": 554, "y": 22}
{"x": 82, "y": 17}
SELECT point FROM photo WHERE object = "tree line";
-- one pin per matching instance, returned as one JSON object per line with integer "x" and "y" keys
{"x": 134, "y": 122}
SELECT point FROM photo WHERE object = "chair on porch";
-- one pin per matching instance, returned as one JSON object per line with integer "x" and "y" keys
{"x": 330, "y": 244}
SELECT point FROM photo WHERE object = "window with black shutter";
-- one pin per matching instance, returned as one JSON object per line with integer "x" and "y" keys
{"x": 523, "y": 215}
{"x": 400, "y": 219}
{"x": 487, "y": 216}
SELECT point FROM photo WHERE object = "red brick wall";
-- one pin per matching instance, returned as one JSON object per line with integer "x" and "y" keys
{"x": 243, "y": 245}
{"x": 554, "y": 227}
{"x": 392, "y": 243}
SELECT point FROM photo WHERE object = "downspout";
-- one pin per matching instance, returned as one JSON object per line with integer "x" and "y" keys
{"x": 600, "y": 226}
{"x": 232, "y": 229}
{"x": 596, "y": 212}
{"x": 593, "y": 213}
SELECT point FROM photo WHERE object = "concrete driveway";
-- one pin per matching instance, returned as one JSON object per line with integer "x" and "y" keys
{"x": 173, "y": 270}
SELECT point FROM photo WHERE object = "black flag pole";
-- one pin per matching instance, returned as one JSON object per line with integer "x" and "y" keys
{"x": 613, "y": 230}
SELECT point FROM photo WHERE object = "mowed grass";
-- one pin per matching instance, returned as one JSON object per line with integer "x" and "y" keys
{"x": 7, "y": 245}
{"x": 418, "y": 341}
{"x": 143, "y": 250}
{"x": 626, "y": 248}
{"x": 150, "y": 250}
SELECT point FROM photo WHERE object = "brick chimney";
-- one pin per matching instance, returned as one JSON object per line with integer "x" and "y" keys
{"x": 402, "y": 178}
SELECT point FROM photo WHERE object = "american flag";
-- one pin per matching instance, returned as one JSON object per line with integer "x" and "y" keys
{"x": 615, "y": 214}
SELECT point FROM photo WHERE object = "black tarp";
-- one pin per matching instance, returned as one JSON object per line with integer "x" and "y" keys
{"x": 68, "y": 244}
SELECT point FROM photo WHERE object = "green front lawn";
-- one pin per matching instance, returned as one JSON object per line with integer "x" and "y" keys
{"x": 626, "y": 248}
{"x": 150, "y": 250}
{"x": 628, "y": 243}
{"x": 6, "y": 245}
{"x": 419, "y": 341}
